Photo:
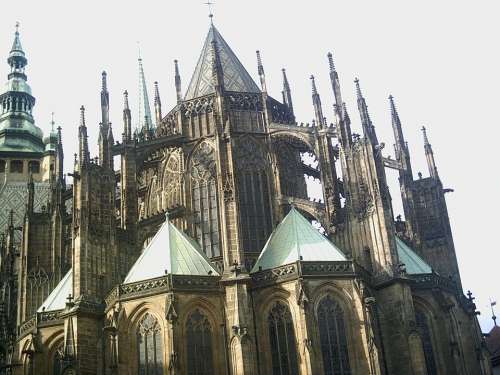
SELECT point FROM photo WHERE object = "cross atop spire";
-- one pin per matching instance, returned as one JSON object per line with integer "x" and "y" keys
{"x": 210, "y": 11}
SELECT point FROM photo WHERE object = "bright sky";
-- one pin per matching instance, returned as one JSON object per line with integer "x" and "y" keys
{"x": 438, "y": 58}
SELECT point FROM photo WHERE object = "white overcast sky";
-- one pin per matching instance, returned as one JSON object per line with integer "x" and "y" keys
{"x": 438, "y": 58}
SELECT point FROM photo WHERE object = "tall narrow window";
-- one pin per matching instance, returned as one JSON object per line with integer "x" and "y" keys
{"x": 254, "y": 195}
{"x": 149, "y": 345}
{"x": 333, "y": 338}
{"x": 282, "y": 340}
{"x": 2, "y": 166}
{"x": 34, "y": 166}
{"x": 199, "y": 345}
{"x": 204, "y": 199}
{"x": 425, "y": 335}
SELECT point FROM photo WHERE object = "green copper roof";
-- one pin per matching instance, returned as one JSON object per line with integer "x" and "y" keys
{"x": 173, "y": 251}
{"x": 236, "y": 78}
{"x": 296, "y": 239}
{"x": 414, "y": 263}
{"x": 57, "y": 298}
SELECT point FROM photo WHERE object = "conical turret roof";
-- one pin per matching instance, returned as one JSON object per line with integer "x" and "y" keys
{"x": 296, "y": 239}
{"x": 171, "y": 251}
{"x": 236, "y": 78}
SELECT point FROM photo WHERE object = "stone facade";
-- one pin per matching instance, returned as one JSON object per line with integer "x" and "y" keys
{"x": 226, "y": 164}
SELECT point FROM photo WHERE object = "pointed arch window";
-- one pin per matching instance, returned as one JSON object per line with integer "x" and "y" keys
{"x": 333, "y": 339}
{"x": 282, "y": 340}
{"x": 425, "y": 335}
{"x": 199, "y": 345}
{"x": 149, "y": 345}
{"x": 204, "y": 199}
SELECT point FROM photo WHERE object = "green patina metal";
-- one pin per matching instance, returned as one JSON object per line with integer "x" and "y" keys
{"x": 296, "y": 239}
{"x": 414, "y": 263}
{"x": 170, "y": 251}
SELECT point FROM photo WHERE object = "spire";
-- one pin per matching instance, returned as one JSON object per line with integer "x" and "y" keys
{"x": 157, "y": 105}
{"x": 262, "y": 75}
{"x": 236, "y": 78}
{"x": 429, "y": 155}
{"x": 287, "y": 93}
{"x": 334, "y": 79}
{"x": 144, "y": 120}
{"x": 401, "y": 148}
{"x": 127, "y": 119}
{"x": 83, "y": 155}
{"x": 318, "y": 110}
{"x": 104, "y": 100}
{"x": 178, "y": 89}
{"x": 368, "y": 128}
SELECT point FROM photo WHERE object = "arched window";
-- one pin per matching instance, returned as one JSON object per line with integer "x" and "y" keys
{"x": 425, "y": 335}
{"x": 282, "y": 340}
{"x": 149, "y": 345}
{"x": 333, "y": 340}
{"x": 204, "y": 199}
{"x": 199, "y": 345}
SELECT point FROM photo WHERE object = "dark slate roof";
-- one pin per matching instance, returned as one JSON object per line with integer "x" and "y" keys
{"x": 236, "y": 78}
{"x": 14, "y": 196}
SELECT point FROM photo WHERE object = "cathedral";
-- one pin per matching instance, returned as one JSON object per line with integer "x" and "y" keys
{"x": 190, "y": 245}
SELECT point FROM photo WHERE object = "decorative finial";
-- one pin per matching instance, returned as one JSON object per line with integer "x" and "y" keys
{"x": 104, "y": 81}
{"x": 493, "y": 316}
{"x": 358, "y": 89}
{"x": 125, "y": 99}
{"x": 313, "y": 82}
{"x": 52, "y": 123}
{"x": 424, "y": 131}
{"x": 330, "y": 62}
{"x": 17, "y": 27}
{"x": 139, "y": 51}
{"x": 176, "y": 65}
{"x": 259, "y": 59}
{"x": 82, "y": 116}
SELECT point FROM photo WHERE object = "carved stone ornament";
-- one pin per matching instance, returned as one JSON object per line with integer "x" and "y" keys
{"x": 170, "y": 311}
{"x": 203, "y": 166}
{"x": 228, "y": 187}
{"x": 364, "y": 204}
{"x": 301, "y": 294}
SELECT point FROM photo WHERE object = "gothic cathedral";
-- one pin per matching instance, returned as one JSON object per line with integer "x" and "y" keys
{"x": 191, "y": 246}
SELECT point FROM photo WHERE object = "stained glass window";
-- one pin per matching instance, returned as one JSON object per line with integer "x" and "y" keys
{"x": 199, "y": 345}
{"x": 333, "y": 338}
{"x": 282, "y": 340}
{"x": 425, "y": 335}
{"x": 149, "y": 345}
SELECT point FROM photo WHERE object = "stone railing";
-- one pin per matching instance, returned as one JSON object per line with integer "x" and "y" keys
{"x": 339, "y": 268}
{"x": 160, "y": 285}
{"x": 431, "y": 280}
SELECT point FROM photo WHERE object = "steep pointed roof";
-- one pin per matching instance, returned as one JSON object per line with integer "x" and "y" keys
{"x": 236, "y": 78}
{"x": 57, "y": 299}
{"x": 173, "y": 251}
{"x": 413, "y": 262}
{"x": 296, "y": 239}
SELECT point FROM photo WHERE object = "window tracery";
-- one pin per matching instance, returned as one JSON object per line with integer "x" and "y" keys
{"x": 57, "y": 361}
{"x": 282, "y": 341}
{"x": 333, "y": 339}
{"x": 149, "y": 346}
{"x": 172, "y": 180}
{"x": 202, "y": 172}
{"x": 199, "y": 345}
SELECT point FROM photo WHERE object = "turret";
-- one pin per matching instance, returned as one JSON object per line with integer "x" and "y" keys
{"x": 287, "y": 93}
{"x": 157, "y": 105}
{"x": 429, "y": 155}
{"x": 401, "y": 148}
{"x": 145, "y": 122}
{"x": 178, "y": 89}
